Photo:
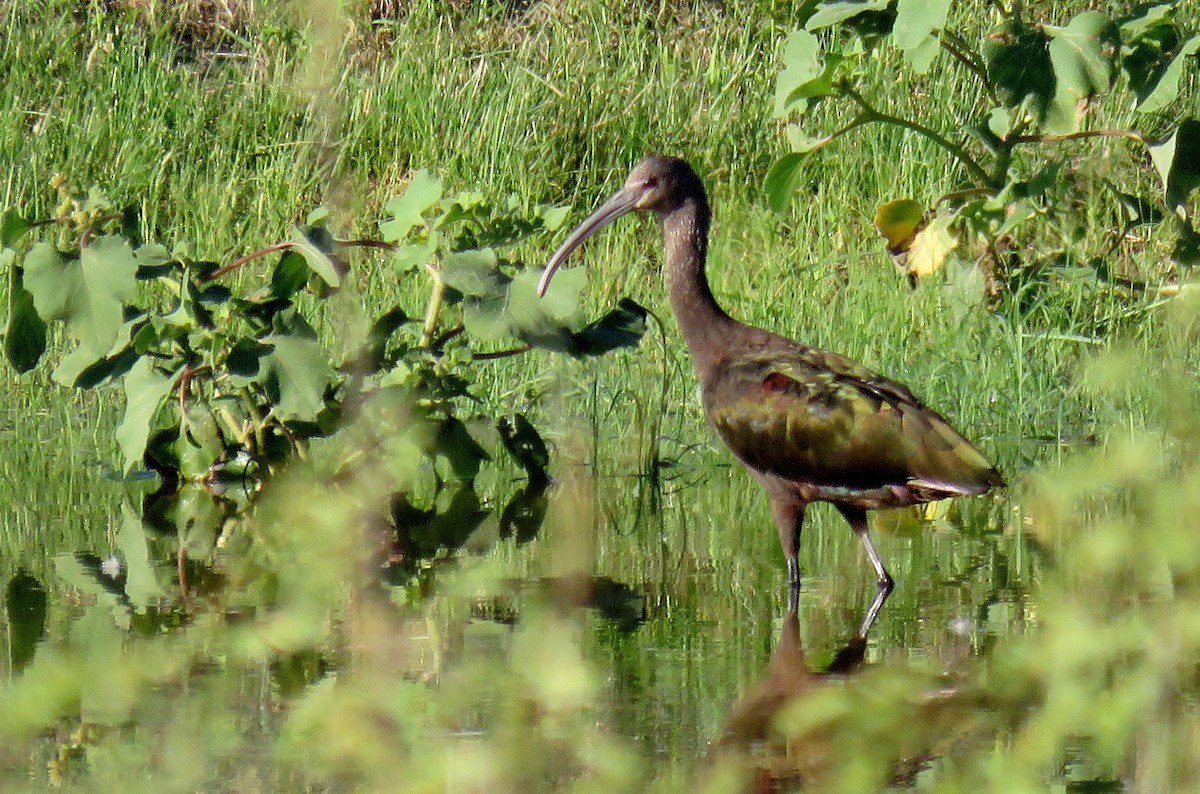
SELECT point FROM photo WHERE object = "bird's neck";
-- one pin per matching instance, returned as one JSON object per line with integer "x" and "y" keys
{"x": 705, "y": 325}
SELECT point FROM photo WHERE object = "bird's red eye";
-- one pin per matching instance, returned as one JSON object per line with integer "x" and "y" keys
{"x": 650, "y": 183}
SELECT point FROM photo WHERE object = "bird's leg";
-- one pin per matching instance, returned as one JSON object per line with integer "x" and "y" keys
{"x": 789, "y": 518}
{"x": 857, "y": 517}
{"x": 872, "y": 612}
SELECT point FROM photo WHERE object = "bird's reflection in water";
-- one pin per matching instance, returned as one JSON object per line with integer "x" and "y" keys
{"x": 748, "y": 747}
{"x": 773, "y": 741}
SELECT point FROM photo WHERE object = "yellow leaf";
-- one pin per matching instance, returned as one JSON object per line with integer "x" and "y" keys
{"x": 899, "y": 221}
{"x": 931, "y": 247}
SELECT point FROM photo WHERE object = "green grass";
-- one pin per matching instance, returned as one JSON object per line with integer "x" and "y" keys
{"x": 225, "y": 148}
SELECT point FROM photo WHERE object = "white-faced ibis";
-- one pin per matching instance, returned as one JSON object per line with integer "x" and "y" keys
{"x": 811, "y": 426}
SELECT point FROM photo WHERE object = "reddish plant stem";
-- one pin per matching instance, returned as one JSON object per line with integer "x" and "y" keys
{"x": 270, "y": 249}
{"x": 185, "y": 381}
{"x": 235, "y": 264}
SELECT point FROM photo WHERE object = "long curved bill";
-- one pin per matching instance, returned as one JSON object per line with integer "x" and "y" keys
{"x": 622, "y": 202}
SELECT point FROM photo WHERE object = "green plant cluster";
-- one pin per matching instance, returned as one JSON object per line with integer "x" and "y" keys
{"x": 220, "y": 383}
{"x": 1033, "y": 88}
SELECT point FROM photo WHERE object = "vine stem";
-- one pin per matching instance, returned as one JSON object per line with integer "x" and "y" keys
{"x": 235, "y": 264}
{"x": 516, "y": 351}
{"x": 961, "y": 51}
{"x": 380, "y": 244}
{"x": 270, "y": 249}
{"x": 185, "y": 381}
{"x": 858, "y": 121}
{"x": 434, "y": 308}
{"x": 1131, "y": 135}
{"x": 962, "y": 155}
{"x": 960, "y": 194}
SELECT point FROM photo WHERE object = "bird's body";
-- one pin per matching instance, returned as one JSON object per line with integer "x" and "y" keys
{"x": 808, "y": 424}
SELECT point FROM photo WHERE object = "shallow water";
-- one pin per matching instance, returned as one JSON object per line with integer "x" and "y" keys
{"x": 683, "y": 581}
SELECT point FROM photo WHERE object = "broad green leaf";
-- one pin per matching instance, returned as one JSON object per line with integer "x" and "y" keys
{"x": 105, "y": 369}
{"x": 1044, "y": 179}
{"x": 74, "y": 364}
{"x": 1151, "y": 40}
{"x": 45, "y": 276}
{"x": 1166, "y": 89}
{"x": 298, "y": 372}
{"x": 553, "y": 217}
{"x": 545, "y": 322}
{"x": 387, "y": 324}
{"x": 244, "y": 361}
{"x": 407, "y": 210}
{"x": 153, "y": 261}
{"x": 1177, "y": 160}
{"x": 12, "y": 227}
{"x": 837, "y": 11}
{"x": 371, "y": 356}
{"x": 487, "y": 319}
{"x": 25, "y": 334}
{"x": 917, "y": 20}
{"x": 407, "y": 258}
{"x": 966, "y": 288}
{"x": 290, "y": 275}
{"x": 1082, "y": 56}
{"x": 931, "y": 247}
{"x": 898, "y": 221}
{"x": 200, "y": 445}
{"x": 783, "y": 179}
{"x": 999, "y": 122}
{"x": 467, "y": 204}
{"x": 458, "y": 451}
{"x": 917, "y": 23}
{"x": 88, "y": 292}
{"x": 800, "y": 142}
{"x": 807, "y": 73}
{"x": 318, "y": 248}
{"x": 1018, "y": 64}
{"x": 148, "y": 336}
{"x": 1146, "y": 18}
{"x": 1015, "y": 214}
{"x": 146, "y": 391}
{"x": 114, "y": 365}
{"x": 474, "y": 272}
{"x": 561, "y": 301}
{"x": 801, "y": 65}
{"x": 624, "y": 326}
{"x": 921, "y": 57}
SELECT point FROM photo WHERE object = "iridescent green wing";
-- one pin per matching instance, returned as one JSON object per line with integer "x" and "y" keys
{"x": 808, "y": 415}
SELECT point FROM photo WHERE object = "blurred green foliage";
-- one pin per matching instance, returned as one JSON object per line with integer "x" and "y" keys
{"x": 288, "y": 662}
